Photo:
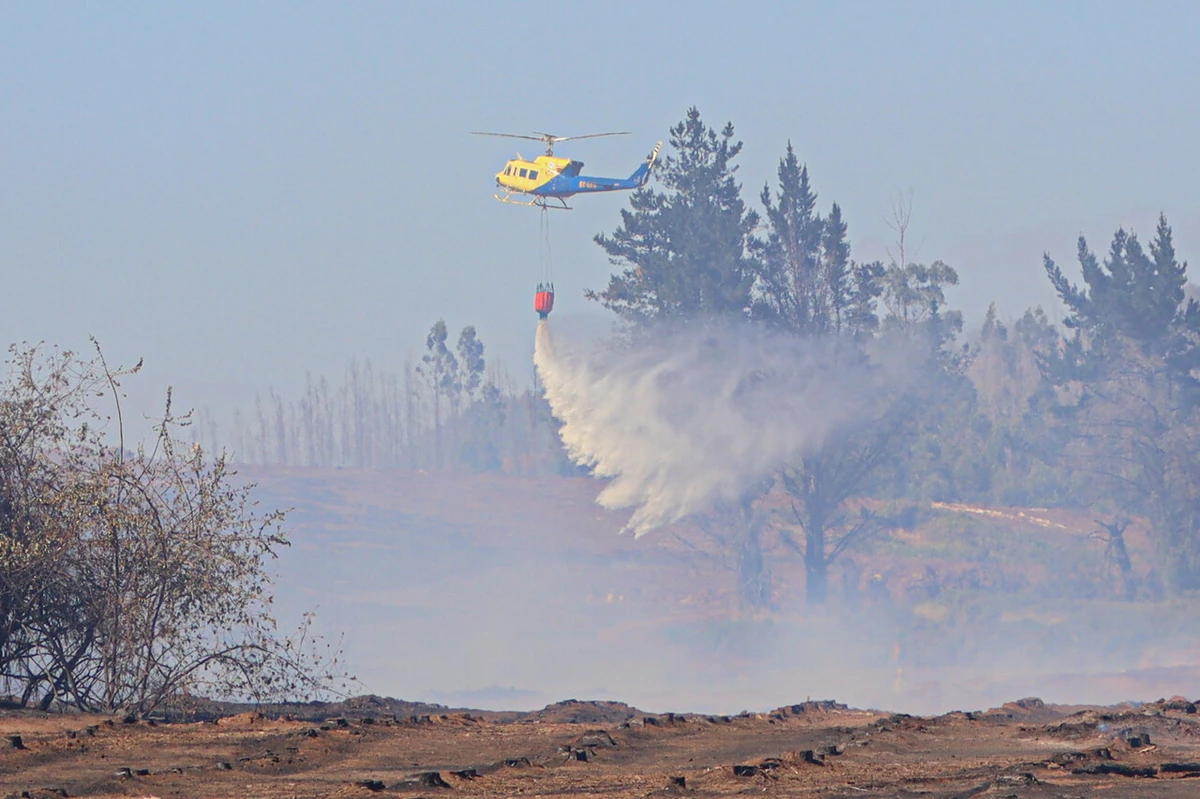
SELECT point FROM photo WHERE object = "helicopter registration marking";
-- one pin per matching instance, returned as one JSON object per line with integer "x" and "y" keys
{"x": 588, "y": 185}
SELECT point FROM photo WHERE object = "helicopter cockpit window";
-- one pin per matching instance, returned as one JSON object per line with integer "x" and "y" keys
{"x": 524, "y": 172}
{"x": 533, "y": 174}
{"x": 508, "y": 170}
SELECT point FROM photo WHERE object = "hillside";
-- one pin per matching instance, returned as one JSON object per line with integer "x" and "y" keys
{"x": 504, "y": 592}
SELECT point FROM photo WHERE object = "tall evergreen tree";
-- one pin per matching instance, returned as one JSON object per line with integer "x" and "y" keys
{"x": 1135, "y": 402}
{"x": 808, "y": 286}
{"x": 1132, "y": 297}
{"x": 684, "y": 251}
{"x": 806, "y": 281}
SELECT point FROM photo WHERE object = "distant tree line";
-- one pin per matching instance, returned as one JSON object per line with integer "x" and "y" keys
{"x": 1103, "y": 414}
{"x": 446, "y": 410}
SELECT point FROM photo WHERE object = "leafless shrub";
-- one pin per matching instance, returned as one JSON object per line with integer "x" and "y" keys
{"x": 128, "y": 577}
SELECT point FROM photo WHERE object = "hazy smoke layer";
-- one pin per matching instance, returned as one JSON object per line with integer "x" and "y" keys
{"x": 695, "y": 415}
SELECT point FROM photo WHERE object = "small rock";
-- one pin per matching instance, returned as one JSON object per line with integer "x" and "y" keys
{"x": 223, "y": 765}
{"x": 1067, "y": 758}
{"x": 15, "y": 742}
{"x": 430, "y": 779}
{"x": 677, "y": 782}
{"x": 1116, "y": 768}
{"x": 1138, "y": 741}
{"x": 370, "y": 785}
{"x": 1180, "y": 768}
{"x": 745, "y": 770}
{"x": 595, "y": 739}
{"x": 124, "y": 773}
{"x": 809, "y": 756}
{"x": 516, "y": 762}
{"x": 142, "y": 772}
{"x": 466, "y": 774}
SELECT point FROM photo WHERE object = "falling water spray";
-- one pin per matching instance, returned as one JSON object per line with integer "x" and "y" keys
{"x": 686, "y": 416}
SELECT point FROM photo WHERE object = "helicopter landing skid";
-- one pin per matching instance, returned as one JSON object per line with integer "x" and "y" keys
{"x": 535, "y": 202}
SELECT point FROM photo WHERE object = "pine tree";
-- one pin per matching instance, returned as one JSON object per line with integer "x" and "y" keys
{"x": 684, "y": 252}
{"x": 1130, "y": 368}
{"x": 806, "y": 282}
{"x": 1134, "y": 297}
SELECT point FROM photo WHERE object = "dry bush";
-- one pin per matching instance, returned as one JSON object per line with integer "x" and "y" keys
{"x": 128, "y": 577}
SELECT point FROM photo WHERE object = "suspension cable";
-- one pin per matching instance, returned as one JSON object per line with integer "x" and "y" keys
{"x": 545, "y": 254}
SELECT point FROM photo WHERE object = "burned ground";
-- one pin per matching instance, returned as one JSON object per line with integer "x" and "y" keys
{"x": 508, "y": 589}
{"x": 1023, "y": 749}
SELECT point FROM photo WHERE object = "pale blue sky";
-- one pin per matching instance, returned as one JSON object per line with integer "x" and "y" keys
{"x": 243, "y": 192}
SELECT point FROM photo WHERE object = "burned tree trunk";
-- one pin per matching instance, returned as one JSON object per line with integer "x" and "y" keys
{"x": 1116, "y": 557}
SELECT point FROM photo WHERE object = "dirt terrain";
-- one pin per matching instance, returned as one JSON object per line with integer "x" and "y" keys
{"x": 508, "y": 592}
{"x": 1022, "y": 749}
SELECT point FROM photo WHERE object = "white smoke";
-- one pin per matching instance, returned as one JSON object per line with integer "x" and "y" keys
{"x": 698, "y": 414}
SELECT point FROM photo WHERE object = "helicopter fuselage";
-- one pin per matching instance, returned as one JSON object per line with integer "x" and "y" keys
{"x": 553, "y": 176}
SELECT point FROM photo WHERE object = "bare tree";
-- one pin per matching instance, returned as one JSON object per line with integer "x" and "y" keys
{"x": 140, "y": 573}
{"x": 1116, "y": 555}
{"x": 899, "y": 223}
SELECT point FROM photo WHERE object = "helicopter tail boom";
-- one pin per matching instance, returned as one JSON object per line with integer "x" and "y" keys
{"x": 642, "y": 173}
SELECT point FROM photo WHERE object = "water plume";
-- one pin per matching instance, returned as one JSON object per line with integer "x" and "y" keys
{"x": 690, "y": 415}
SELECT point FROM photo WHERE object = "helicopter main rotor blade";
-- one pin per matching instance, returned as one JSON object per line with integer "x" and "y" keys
{"x": 507, "y": 135}
{"x": 549, "y": 137}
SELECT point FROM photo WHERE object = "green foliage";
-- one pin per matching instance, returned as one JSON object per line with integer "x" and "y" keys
{"x": 806, "y": 282}
{"x": 1018, "y": 441}
{"x": 470, "y": 361}
{"x": 438, "y": 364}
{"x": 1132, "y": 296}
{"x": 684, "y": 251}
{"x": 915, "y": 296}
{"x": 1130, "y": 392}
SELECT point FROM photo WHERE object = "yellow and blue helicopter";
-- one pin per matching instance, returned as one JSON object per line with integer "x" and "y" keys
{"x": 549, "y": 180}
